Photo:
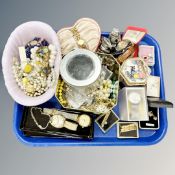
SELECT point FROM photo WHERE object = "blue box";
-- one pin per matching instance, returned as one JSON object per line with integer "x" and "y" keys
{"x": 147, "y": 137}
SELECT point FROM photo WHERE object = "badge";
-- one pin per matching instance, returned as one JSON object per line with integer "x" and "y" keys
{"x": 127, "y": 130}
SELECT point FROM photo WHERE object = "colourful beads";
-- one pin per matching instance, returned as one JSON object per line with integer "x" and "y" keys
{"x": 136, "y": 75}
{"x": 104, "y": 91}
{"x": 35, "y": 73}
{"x": 25, "y": 81}
{"x": 60, "y": 92}
{"x": 28, "y": 68}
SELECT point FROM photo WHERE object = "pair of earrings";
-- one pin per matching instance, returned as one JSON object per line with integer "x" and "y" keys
{"x": 150, "y": 114}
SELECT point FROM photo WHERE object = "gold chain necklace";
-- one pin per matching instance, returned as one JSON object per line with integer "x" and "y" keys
{"x": 80, "y": 42}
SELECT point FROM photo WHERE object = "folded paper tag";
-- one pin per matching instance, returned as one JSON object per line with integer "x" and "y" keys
{"x": 153, "y": 86}
{"x": 85, "y": 33}
{"x": 134, "y": 34}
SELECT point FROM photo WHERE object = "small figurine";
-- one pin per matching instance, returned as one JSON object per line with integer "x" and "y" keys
{"x": 120, "y": 49}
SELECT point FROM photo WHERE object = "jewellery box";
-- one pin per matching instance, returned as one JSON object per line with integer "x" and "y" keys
{"x": 133, "y": 104}
{"x": 146, "y": 137}
{"x": 84, "y": 33}
{"x": 127, "y": 130}
{"x": 134, "y": 72}
{"x": 56, "y": 123}
{"x": 153, "y": 122}
{"x": 107, "y": 121}
{"x": 83, "y": 93}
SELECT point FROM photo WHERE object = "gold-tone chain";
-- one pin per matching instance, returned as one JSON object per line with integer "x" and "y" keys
{"x": 75, "y": 33}
{"x": 80, "y": 42}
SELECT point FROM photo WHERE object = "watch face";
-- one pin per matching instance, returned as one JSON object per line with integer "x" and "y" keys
{"x": 57, "y": 121}
{"x": 84, "y": 120}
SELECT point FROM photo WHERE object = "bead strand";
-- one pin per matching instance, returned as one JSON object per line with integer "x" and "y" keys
{"x": 38, "y": 74}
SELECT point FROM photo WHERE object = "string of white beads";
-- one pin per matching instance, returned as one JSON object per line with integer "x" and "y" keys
{"x": 53, "y": 53}
{"x": 36, "y": 82}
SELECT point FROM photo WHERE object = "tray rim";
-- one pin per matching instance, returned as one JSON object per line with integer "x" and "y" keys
{"x": 99, "y": 143}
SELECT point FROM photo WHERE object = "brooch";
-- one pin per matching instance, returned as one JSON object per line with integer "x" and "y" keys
{"x": 127, "y": 130}
{"x": 107, "y": 120}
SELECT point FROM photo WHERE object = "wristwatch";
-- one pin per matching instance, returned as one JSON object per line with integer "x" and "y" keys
{"x": 58, "y": 121}
{"x": 83, "y": 120}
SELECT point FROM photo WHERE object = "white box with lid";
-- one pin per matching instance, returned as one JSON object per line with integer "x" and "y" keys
{"x": 133, "y": 104}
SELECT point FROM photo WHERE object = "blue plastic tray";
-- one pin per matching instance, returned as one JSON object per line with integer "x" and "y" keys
{"x": 147, "y": 137}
